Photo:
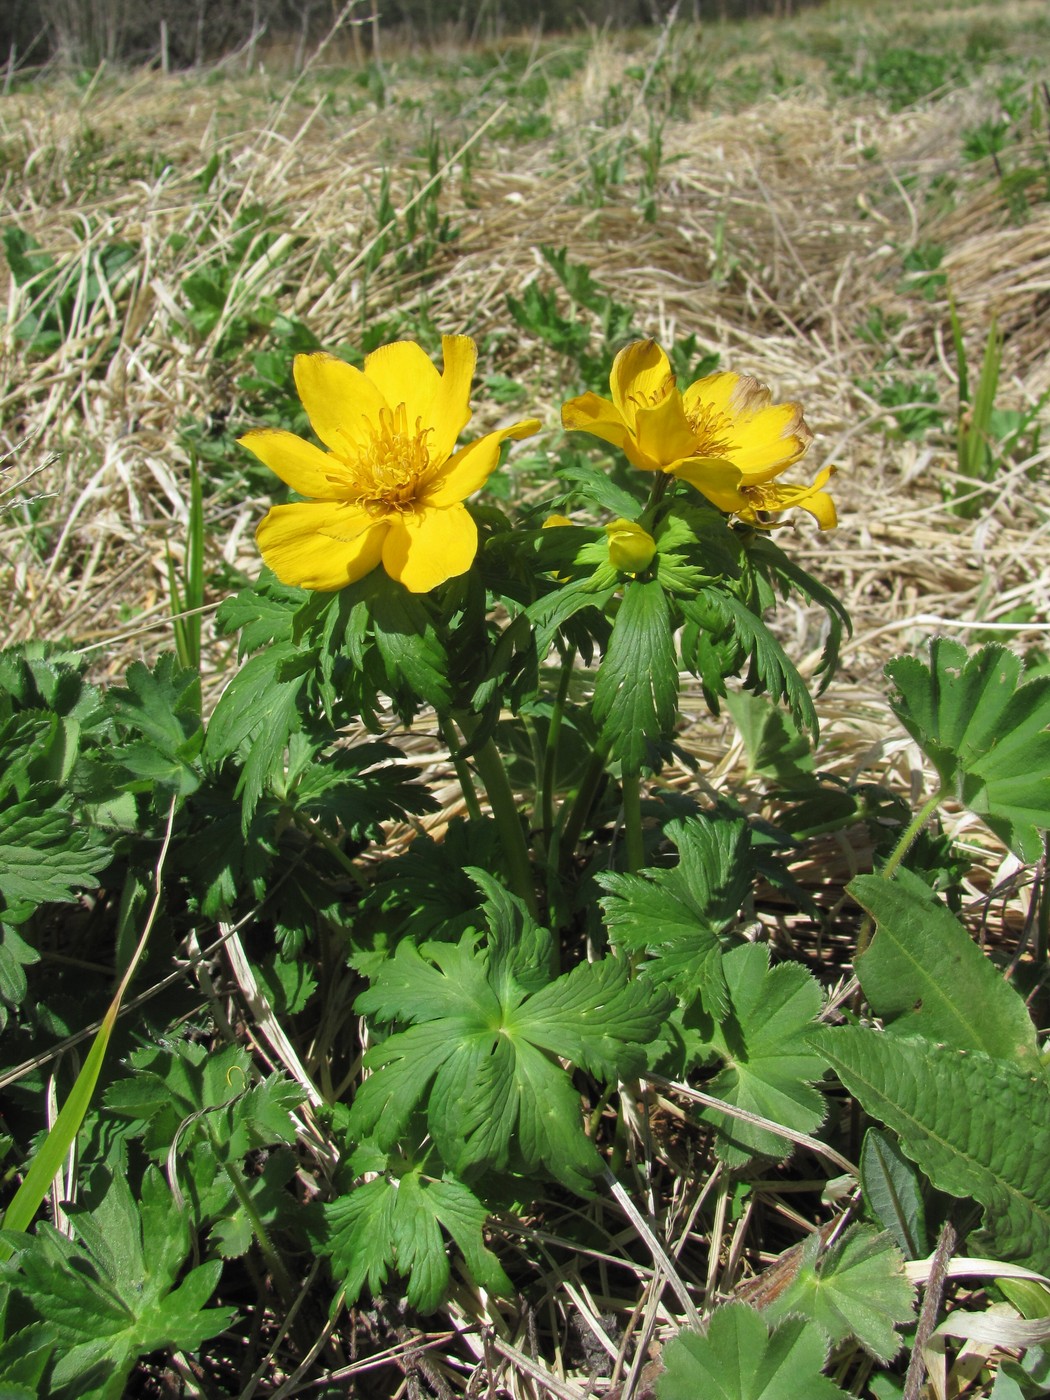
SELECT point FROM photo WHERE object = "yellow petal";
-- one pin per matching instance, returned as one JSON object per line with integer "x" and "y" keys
{"x": 821, "y": 507}
{"x": 598, "y": 416}
{"x": 301, "y": 465}
{"x": 472, "y": 466}
{"x": 770, "y": 441}
{"x": 663, "y": 433}
{"x": 426, "y": 548}
{"x": 641, "y": 377}
{"x": 449, "y": 413}
{"x": 313, "y": 544}
{"x": 404, "y": 373}
{"x": 554, "y": 522}
{"x": 339, "y": 400}
{"x": 714, "y": 478}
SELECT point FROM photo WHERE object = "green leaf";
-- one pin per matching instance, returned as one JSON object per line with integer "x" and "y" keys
{"x": 985, "y": 731}
{"x": 112, "y": 1298}
{"x": 770, "y": 667}
{"x": 407, "y": 639}
{"x": 44, "y": 857}
{"x": 636, "y": 692}
{"x": 397, "y": 1223}
{"x": 768, "y": 1064}
{"x": 776, "y": 747}
{"x": 483, "y": 1053}
{"x": 976, "y": 1126}
{"x": 738, "y": 1359}
{"x": 258, "y": 710}
{"x": 924, "y": 975}
{"x": 163, "y": 706}
{"x": 893, "y": 1192}
{"x": 789, "y": 577}
{"x": 856, "y": 1288}
{"x": 678, "y": 915}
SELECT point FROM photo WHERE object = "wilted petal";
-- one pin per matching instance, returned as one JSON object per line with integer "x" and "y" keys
{"x": 301, "y": 465}
{"x": 312, "y": 544}
{"x": 427, "y": 547}
{"x": 771, "y": 440}
{"x": 713, "y": 391}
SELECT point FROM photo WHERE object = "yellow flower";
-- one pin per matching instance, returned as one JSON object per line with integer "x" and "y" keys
{"x": 554, "y": 521}
{"x": 390, "y": 488}
{"x": 724, "y": 435}
{"x": 631, "y": 548}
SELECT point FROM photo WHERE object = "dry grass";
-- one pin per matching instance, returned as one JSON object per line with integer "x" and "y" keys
{"x": 780, "y": 234}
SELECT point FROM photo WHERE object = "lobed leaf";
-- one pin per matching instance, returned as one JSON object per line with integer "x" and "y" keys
{"x": 737, "y": 1358}
{"x": 856, "y": 1288}
{"x": 987, "y": 733}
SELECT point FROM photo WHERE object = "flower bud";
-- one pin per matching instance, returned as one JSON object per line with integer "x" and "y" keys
{"x": 631, "y": 549}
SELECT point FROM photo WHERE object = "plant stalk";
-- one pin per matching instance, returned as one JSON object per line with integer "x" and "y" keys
{"x": 490, "y": 768}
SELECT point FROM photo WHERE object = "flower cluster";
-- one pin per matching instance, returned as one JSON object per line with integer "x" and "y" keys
{"x": 391, "y": 485}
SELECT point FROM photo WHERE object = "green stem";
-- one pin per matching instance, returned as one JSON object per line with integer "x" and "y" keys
{"x": 490, "y": 768}
{"x": 575, "y": 810}
{"x": 466, "y": 781}
{"x": 898, "y": 853}
{"x": 909, "y": 834}
{"x": 632, "y": 821}
{"x": 281, "y": 1277}
{"x": 333, "y": 847}
{"x": 545, "y": 796}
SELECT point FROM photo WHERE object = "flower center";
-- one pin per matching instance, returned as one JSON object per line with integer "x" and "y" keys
{"x": 387, "y": 471}
{"x": 713, "y": 430}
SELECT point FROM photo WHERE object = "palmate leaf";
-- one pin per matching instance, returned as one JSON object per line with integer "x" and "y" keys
{"x": 114, "y": 1298}
{"x": 636, "y": 692}
{"x": 398, "y": 1223}
{"x": 976, "y": 1126}
{"x": 738, "y": 1359}
{"x": 856, "y": 1288}
{"x": 677, "y": 915}
{"x": 768, "y": 1064}
{"x": 987, "y": 733}
{"x": 923, "y": 975}
{"x": 483, "y": 1053}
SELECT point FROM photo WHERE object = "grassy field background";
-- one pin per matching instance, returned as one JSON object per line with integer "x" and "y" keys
{"x": 805, "y": 198}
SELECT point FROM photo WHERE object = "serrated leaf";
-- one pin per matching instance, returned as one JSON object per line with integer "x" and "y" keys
{"x": 636, "y": 690}
{"x": 771, "y": 669}
{"x": 397, "y": 1223}
{"x": 893, "y": 1192}
{"x": 789, "y": 576}
{"x": 258, "y": 709}
{"x": 924, "y": 975}
{"x": 775, "y": 746}
{"x": 413, "y": 653}
{"x": 986, "y": 731}
{"x": 110, "y": 1300}
{"x": 976, "y": 1126}
{"x": 768, "y": 1064}
{"x": 163, "y": 706}
{"x": 44, "y": 857}
{"x": 738, "y": 1359}
{"x": 678, "y": 915}
{"x": 484, "y": 1050}
{"x": 856, "y": 1288}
